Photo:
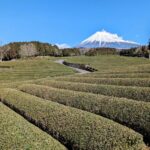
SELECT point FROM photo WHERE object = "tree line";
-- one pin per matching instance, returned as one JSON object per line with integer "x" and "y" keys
{"x": 143, "y": 51}
{"x": 101, "y": 51}
{"x": 18, "y": 50}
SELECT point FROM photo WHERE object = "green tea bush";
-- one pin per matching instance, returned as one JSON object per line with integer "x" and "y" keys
{"x": 136, "y": 93}
{"x": 109, "y": 81}
{"x": 132, "y": 113}
{"x": 18, "y": 134}
{"x": 77, "y": 129}
{"x": 123, "y": 75}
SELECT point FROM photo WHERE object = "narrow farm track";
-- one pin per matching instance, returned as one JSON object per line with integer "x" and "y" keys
{"x": 79, "y": 71}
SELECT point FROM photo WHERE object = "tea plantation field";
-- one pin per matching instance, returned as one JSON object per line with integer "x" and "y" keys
{"x": 48, "y": 106}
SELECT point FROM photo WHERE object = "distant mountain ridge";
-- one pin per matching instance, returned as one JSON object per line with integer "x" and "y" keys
{"x": 106, "y": 39}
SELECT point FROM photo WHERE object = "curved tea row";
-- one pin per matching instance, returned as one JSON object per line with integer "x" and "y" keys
{"x": 75, "y": 128}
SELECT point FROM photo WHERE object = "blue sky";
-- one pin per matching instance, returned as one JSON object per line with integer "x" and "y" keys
{"x": 71, "y": 21}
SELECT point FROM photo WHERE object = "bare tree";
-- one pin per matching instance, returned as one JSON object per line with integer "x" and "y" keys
{"x": 28, "y": 50}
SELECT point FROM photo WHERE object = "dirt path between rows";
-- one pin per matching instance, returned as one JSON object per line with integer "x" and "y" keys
{"x": 80, "y": 71}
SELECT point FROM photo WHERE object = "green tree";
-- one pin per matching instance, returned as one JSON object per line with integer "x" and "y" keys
{"x": 149, "y": 44}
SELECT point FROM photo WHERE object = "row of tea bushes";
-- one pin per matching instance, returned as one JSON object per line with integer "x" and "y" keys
{"x": 123, "y": 75}
{"x": 136, "y": 93}
{"x": 110, "y": 81}
{"x": 144, "y": 68}
{"x": 75, "y": 128}
{"x": 17, "y": 133}
{"x": 132, "y": 113}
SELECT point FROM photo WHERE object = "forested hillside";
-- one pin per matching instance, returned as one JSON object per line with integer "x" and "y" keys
{"x": 17, "y": 50}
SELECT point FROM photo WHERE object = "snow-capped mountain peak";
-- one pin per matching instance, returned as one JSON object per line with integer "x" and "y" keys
{"x": 106, "y": 39}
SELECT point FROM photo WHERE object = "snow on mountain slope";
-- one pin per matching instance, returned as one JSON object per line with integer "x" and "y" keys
{"x": 106, "y": 39}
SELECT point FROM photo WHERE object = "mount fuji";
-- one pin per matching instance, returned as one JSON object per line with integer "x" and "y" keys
{"x": 106, "y": 39}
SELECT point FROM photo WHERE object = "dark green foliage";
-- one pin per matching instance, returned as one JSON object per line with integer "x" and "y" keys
{"x": 101, "y": 51}
{"x": 13, "y": 50}
{"x": 132, "y": 113}
{"x": 71, "y": 52}
{"x": 46, "y": 49}
{"x": 142, "y": 51}
{"x": 16, "y": 133}
{"x": 80, "y": 66}
{"x": 149, "y": 44}
{"x": 76, "y": 128}
{"x": 136, "y": 93}
{"x": 110, "y": 81}
{"x": 118, "y": 75}
{"x": 128, "y": 52}
{"x": 16, "y": 50}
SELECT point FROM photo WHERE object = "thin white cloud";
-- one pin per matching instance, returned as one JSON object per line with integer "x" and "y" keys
{"x": 62, "y": 46}
{"x": 2, "y": 42}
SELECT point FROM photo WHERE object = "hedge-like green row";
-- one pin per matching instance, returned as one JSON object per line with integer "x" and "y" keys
{"x": 17, "y": 133}
{"x": 136, "y": 93}
{"x": 124, "y": 75}
{"x": 124, "y": 70}
{"x": 77, "y": 129}
{"x": 110, "y": 81}
{"x": 132, "y": 113}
